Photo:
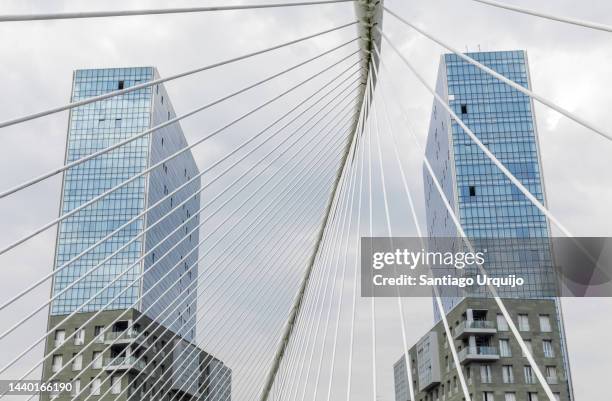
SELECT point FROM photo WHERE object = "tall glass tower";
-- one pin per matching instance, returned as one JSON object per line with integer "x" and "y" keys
{"x": 491, "y": 209}
{"x": 94, "y": 127}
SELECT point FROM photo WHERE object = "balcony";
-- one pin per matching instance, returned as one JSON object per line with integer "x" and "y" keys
{"x": 474, "y": 327}
{"x": 124, "y": 363}
{"x": 482, "y": 353}
{"x": 124, "y": 337}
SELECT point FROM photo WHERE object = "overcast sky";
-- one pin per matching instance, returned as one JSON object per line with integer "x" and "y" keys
{"x": 569, "y": 65}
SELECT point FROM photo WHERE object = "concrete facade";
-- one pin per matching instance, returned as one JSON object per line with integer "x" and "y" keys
{"x": 490, "y": 357}
{"x": 130, "y": 349}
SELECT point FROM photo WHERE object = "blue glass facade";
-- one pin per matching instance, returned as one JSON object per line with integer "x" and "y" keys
{"x": 489, "y": 206}
{"x": 94, "y": 127}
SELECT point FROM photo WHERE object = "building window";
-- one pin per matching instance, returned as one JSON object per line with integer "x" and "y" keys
{"x": 98, "y": 334}
{"x": 532, "y": 396}
{"x": 557, "y": 396}
{"x": 504, "y": 348}
{"x": 97, "y": 360}
{"x": 551, "y": 374}
{"x": 545, "y": 324}
{"x": 502, "y": 324}
{"x": 76, "y": 387}
{"x": 523, "y": 322}
{"x": 507, "y": 374}
{"x": 547, "y": 346}
{"x": 115, "y": 384}
{"x": 485, "y": 374}
{"x": 472, "y": 190}
{"x": 529, "y": 377}
{"x": 121, "y": 85}
{"x": 56, "y": 364}
{"x": 529, "y": 347}
{"x": 79, "y": 337}
{"x": 77, "y": 361}
{"x": 95, "y": 386}
{"x": 60, "y": 337}
{"x": 510, "y": 397}
{"x": 488, "y": 396}
{"x": 464, "y": 109}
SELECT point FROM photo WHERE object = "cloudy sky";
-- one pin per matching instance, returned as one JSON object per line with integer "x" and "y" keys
{"x": 569, "y": 65}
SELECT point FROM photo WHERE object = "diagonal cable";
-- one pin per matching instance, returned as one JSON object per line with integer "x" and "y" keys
{"x": 158, "y": 11}
{"x": 600, "y": 131}
{"x": 166, "y": 79}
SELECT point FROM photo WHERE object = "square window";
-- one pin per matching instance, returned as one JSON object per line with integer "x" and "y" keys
{"x": 95, "y": 386}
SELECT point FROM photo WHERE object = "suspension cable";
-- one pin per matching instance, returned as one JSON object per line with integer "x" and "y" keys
{"x": 297, "y": 304}
{"x": 371, "y": 234}
{"x": 186, "y": 234}
{"x": 255, "y": 248}
{"x": 572, "y": 21}
{"x": 332, "y": 256}
{"x": 116, "y": 296}
{"x": 169, "y": 122}
{"x": 158, "y": 11}
{"x": 168, "y": 196}
{"x": 356, "y": 269}
{"x": 166, "y": 79}
{"x": 343, "y": 275}
{"x": 478, "y": 142}
{"x": 155, "y": 396}
{"x": 192, "y": 266}
{"x": 195, "y": 215}
{"x": 322, "y": 259}
{"x": 505, "y": 80}
{"x": 310, "y": 326}
{"x": 166, "y": 159}
{"x": 270, "y": 208}
{"x": 413, "y": 212}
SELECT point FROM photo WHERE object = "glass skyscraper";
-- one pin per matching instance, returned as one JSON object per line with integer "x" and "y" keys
{"x": 94, "y": 127}
{"x": 126, "y": 329}
{"x": 492, "y": 211}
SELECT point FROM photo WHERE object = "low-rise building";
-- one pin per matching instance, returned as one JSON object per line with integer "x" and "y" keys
{"x": 125, "y": 355}
{"x": 491, "y": 359}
